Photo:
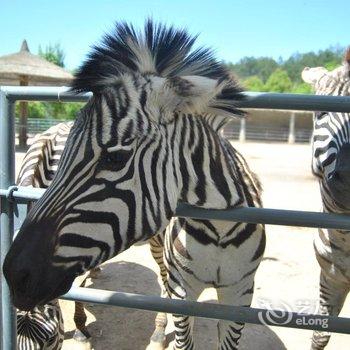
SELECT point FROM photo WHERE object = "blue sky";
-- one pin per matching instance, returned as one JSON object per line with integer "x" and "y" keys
{"x": 234, "y": 28}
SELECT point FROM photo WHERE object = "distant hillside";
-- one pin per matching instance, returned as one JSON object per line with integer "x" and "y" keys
{"x": 267, "y": 74}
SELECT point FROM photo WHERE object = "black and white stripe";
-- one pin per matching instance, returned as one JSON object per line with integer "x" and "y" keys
{"x": 330, "y": 164}
{"x": 147, "y": 139}
{"x": 43, "y": 327}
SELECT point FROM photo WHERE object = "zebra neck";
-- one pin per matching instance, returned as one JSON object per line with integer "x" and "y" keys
{"x": 207, "y": 174}
{"x": 328, "y": 204}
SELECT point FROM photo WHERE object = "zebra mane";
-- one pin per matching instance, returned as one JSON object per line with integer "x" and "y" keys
{"x": 163, "y": 51}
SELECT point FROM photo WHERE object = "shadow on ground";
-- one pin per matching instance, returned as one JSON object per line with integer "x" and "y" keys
{"x": 130, "y": 329}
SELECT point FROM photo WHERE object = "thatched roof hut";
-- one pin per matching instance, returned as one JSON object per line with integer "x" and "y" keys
{"x": 24, "y": 68}
{"x": 35, "y": 69}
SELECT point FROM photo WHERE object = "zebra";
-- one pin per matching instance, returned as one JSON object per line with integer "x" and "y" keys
{"x": 330, "y": 164}
{"x": 40, "y": 328}
{"x": 147, "y": 140}
{"x": 44, "y": 326}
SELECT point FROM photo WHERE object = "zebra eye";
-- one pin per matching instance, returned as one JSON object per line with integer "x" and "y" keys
{"x": 117, "y": 160}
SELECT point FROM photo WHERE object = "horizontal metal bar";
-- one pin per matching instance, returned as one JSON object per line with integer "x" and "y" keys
{"x": 302, "y": 102}
{"x": 268, "y": 216}
{"x": 43, "y": 93}
{"x": 260, "y": 100}
{"x": 22, "y": 194}
{"x": 251, "y": 215}
{"x": 210, "y": 310}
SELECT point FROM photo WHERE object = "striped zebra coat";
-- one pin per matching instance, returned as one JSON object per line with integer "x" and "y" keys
{"x": 43, "y": 327}
{"x": 147, "y": 140}
{"x": 331, "y": 165}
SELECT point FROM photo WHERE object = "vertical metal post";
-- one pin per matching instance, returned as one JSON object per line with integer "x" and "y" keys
{"x": 23, "y": 116}
{"x": 7, "y": 178}
{"x": 242, "y": 130}
{"x": 291, "y": 136}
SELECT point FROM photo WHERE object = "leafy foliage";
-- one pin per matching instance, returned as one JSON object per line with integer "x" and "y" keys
{"x": 49, "y": 110}
{"x": 254, "y": 83}
{"x": 263, "y": 73}
{"x": 261, "y": 67}
{"x": 279, "y": 81}
{"x": 53, "y": 53}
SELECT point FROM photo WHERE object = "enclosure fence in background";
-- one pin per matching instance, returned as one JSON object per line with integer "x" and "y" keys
{"x": 236, "y": 130}
{"x": 11, "y": 198}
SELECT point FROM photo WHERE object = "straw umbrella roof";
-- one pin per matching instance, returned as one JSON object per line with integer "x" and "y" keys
{"x": 37, "y": 70}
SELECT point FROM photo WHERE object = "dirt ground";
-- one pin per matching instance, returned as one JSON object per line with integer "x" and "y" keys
{"x": 288, "y": 274}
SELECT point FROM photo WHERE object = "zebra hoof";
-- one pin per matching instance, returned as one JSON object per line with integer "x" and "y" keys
{"x": 153, "y": 345}
{"x": 82, "y": 337}
{"x": 94, "y": 273}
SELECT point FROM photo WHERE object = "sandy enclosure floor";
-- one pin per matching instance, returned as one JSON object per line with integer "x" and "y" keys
{"x": 288, "y": 274}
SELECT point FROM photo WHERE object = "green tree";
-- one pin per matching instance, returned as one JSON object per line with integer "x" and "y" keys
{"x": 35, "y": 110}
{"x": 332, "y": 64}
{"x": 56, "y": 110}
{"x": 254, "y": 83}
{"x": 302, "y": 88}
{"x": 279, "y": 81}
{"x": 53, "y": 53}
{"x": 262, "y": 67}
{"x": 72, "y": 109}
{"x": 329, "y": 58}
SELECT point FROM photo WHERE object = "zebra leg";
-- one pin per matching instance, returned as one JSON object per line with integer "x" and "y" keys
{"x": 81, "y": 333}
{"x": 183, "y": 332}
{"x": 229, "y": 332}
{"x": 158, "y": 338}
{"x": 184, "y": 324}
{"x": 332, "y": 297}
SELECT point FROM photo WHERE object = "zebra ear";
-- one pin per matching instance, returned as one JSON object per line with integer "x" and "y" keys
{"x": 347, "y": 57}
{"x": 312, "y": 75}
{"x": 199, "y": 95}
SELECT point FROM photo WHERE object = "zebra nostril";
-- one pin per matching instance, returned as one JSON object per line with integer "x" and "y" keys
{"x": 334, "y": 176}
{"x": 341, "y": 177}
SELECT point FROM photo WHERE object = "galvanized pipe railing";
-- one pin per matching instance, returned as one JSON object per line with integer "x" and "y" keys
{"x": 252, "y": 215}
{"x": 7, "y": 175}
{"x": 8, "y": 195}
{"x": 209, "y": 310}
{"x": 260, "y": 100}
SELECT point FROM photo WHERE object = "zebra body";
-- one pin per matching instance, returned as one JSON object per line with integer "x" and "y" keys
{"x": 147, "y": 140}
{"x": 40, "y": 163}
{"x": 331, "y": 165}
{"x": 197, "y": 254}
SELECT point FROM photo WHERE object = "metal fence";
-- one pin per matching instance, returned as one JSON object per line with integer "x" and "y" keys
{"x": 253, "y": 132}
{"x": 266, "y": 133}
{"x": 37, "y": 125}
{"x": 11, "y": 197}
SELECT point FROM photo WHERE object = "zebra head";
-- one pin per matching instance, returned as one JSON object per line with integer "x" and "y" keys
{"x": 135, "y": 150}
{"x": 331, "y": 138}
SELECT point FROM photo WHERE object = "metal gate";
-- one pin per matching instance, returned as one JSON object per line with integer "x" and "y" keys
{"x": 12, "y": 196}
